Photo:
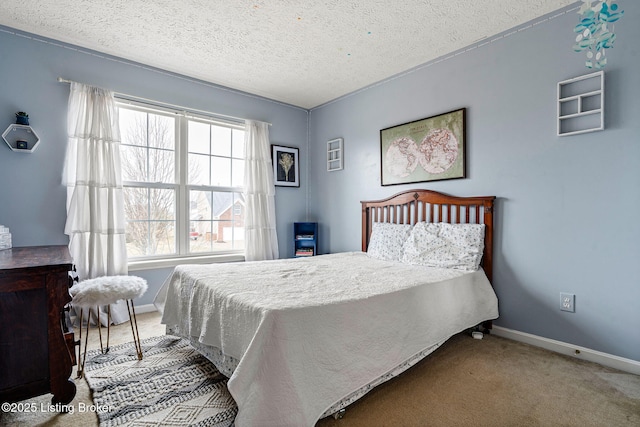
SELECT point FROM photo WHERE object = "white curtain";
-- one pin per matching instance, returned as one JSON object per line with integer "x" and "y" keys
{"x": 261, "y": 241}
{"x": 95, "y": 204}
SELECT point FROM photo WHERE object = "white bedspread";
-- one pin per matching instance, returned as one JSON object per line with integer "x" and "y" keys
{"x": 309, "y": 331}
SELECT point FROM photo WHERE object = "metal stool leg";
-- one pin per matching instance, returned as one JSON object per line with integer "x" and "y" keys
{"x": 108, "y": 325}
{"x": 86, "y": 341}
{"x": 99, "y": 323}
{"x": 79, "y": 368}
{"x": 136, "y": 334}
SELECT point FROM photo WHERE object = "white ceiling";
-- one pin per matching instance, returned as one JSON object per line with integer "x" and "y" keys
{"x": 303, "y": 53}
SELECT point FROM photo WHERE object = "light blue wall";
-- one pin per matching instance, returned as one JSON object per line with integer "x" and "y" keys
{"x": 32, "y": 199}
{"x": 567, "y": 207}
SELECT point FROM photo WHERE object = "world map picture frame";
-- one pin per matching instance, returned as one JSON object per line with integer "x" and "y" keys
{"x": 429, "y": 149}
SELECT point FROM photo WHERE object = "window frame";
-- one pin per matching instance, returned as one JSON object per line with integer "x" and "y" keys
{"x": 182, "y": 189}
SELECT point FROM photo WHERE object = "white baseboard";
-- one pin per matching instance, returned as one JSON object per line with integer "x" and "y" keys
{"x": 627, "y": 365}
{"x": 146, "y": 308}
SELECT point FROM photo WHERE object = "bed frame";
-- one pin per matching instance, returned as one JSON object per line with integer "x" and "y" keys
{"x": 413, "y": 206}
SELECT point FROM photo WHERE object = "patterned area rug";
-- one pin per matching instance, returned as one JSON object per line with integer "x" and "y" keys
{"x": 172, "y": 385}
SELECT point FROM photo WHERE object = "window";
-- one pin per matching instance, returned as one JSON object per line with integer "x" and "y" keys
{"x": 216, "y": 171}
{"x": 183, "y": 180}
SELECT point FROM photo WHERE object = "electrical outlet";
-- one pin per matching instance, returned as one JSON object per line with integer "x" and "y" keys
{"x": 567, "y": 302}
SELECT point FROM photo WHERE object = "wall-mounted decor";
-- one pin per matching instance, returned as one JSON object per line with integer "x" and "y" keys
{"x": 581, "y": 104}
{"x": 334, "y": 155}
{"x": 286, "y": 172}
{"x": 430, "y": 149}
{"x": 21, "y": 138}
{"x": 595, "y": 30}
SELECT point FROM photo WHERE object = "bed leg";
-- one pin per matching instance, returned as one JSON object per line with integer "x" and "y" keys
{"x": 338, "y": 415}
{"x": 486, "y": 327}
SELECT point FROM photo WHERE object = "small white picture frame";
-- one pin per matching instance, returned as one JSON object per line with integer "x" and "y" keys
{"x": 335, "y": 160}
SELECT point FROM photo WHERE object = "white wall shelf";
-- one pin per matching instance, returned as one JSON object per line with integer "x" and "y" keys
{"x": 21, "y": 138}
{"x": 581, "y": 104}
{"x": 334, "y": 155}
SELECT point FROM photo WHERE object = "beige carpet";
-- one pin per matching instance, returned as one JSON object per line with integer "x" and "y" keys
{"x": 467, "y": 382}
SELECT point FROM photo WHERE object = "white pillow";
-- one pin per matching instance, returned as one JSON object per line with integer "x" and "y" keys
{"x": 387, "y": 240}
{"x": 444, "y": 245}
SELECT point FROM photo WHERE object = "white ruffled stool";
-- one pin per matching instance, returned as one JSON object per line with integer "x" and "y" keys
{"x": 106, "y": 290}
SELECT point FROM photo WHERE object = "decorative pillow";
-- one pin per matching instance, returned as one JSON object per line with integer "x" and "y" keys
{"x": 444, "y": 245}
{"x": 387, "y": 240}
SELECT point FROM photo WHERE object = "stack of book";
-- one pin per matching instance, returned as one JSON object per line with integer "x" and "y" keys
{"x": 304, "y": 236}
{"x": 304, "y": 252}
{"x": 5, "y": 238}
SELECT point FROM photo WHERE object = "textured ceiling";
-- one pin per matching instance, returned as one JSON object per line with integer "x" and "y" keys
{"x": 304, "y": 53}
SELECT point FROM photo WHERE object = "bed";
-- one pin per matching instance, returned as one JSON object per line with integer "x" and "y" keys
{"x": 302, "y": 338}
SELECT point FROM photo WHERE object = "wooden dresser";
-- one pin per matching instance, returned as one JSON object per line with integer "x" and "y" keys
{"x": 34, "y": 355}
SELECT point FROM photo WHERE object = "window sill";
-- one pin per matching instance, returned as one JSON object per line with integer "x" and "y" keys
{"x": 150, "y": 264}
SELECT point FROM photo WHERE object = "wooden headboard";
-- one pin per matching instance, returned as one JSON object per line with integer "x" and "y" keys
{"x": 413, "y": 206}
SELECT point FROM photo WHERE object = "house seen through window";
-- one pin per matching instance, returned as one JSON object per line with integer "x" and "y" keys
{"x": 183, "y": 180}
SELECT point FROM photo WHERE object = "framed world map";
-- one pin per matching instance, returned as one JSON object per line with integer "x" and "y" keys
{"x": 430, "y": 149}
